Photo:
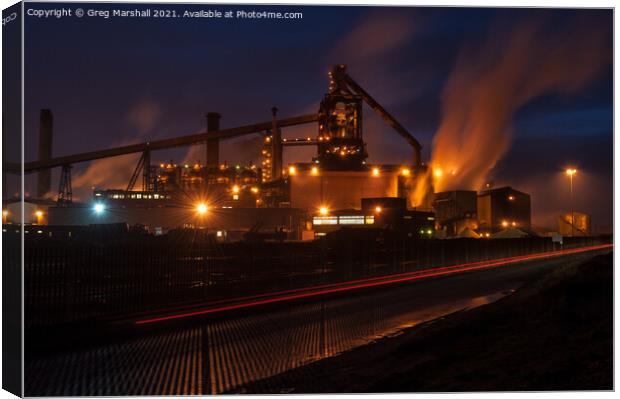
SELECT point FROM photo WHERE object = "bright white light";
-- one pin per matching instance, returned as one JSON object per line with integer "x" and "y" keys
{"x": 202, "y": 208}
{"x": 99, "y": 208}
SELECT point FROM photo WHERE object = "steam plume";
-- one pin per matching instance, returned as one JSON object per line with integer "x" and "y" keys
{"x": 488, "y": 86}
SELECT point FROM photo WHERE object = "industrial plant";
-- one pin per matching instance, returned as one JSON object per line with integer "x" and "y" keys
{"x": 337, "y": 188}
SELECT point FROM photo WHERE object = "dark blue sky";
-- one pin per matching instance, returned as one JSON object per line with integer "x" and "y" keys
{"x": 121, "y": 80}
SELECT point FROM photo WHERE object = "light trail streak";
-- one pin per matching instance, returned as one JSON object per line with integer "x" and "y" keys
{"x": 314, "y": 291}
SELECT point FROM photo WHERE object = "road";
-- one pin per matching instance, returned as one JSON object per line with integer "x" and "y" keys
{"x": 219, "y": 354}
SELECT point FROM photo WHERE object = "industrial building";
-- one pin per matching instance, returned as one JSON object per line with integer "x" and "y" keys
{"x": 385, "y": 212}
{"x": 502, "y": 208}
{"x": 455, "y": 212}
{"x": 234, "y": 198}
{"x": 35, "y": 211}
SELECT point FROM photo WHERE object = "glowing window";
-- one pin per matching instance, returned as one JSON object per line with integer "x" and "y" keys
{"x": 320, "y": 220}
{"x": 354, "y": 219}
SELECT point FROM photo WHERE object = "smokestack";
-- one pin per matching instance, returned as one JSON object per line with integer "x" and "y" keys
{"x": 213, "y": 145}
{"x": 276, "y": 163}
{"x": 46, "y": 126}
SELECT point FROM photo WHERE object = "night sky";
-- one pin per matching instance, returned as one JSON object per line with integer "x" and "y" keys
{"x": 120, "y": 80}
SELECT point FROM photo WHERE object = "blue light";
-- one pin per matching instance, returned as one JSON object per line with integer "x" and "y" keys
{"x": 99, "y": 208}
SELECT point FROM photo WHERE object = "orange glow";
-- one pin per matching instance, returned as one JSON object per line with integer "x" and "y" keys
{"x": 235, "y": 189}
{"x": 323, "y": 210}
{"x": 378, "y": 209}
{"x": 254, "y": 190}
{"x": 375, "y": 171}
{"x": 511, "y": 198}
{"x": 405, "y": 172}
{"x": 292, "y": 170}
{"x": 571, "y": 171}
{"x": 39, "y": 214}
{"x": 514, "y": 223}
{"x": 202, "y": 208}
{"x": 438, "y": 172}
{"x": 5, "y": 213}
{"x": 504, "y": 223}
{"x": 315, "y": 170}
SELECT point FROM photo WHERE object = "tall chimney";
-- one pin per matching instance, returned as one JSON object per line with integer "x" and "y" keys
{"x": 46, "y": 127}
{"x": 276, "y": 137}
{"x": 213, "y": 145}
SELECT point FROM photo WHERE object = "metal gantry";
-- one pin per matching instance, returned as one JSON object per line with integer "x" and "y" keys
{"x": 342, "y": 85}
{"x": 65, "y": 191}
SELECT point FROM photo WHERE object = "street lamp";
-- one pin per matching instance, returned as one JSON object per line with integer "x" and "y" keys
{"x": 571, "y": 172}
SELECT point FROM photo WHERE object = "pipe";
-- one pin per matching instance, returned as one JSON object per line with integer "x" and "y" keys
{"x": 162, "y": 144}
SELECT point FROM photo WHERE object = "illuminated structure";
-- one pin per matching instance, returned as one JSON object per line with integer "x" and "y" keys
{"x": 384, "y": 213}
{"x": 338, "y": 177}
{"x": 341, "y": 145}
{"x": 503, "y": 208}
{"x": 455, "y": 211}
{"x": 267, "y": 158}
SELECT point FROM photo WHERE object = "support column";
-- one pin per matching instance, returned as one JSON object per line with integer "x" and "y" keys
{"x": 46, "y": 126}
{"x": 146, "y": 171}
{"x": 276, "y": 142}
{"x": 213, "y": 145}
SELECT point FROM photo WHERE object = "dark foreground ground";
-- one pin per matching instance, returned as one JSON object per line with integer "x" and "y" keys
{"x": 553, "y": 334}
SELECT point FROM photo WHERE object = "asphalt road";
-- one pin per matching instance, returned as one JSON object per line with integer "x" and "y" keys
{"x": 214, "y": 355}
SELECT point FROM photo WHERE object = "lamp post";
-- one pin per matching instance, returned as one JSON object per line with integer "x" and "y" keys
{"x": 571, "y": 172}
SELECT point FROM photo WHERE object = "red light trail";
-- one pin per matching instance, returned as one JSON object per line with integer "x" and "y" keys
{"x": 318, "y": 290}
